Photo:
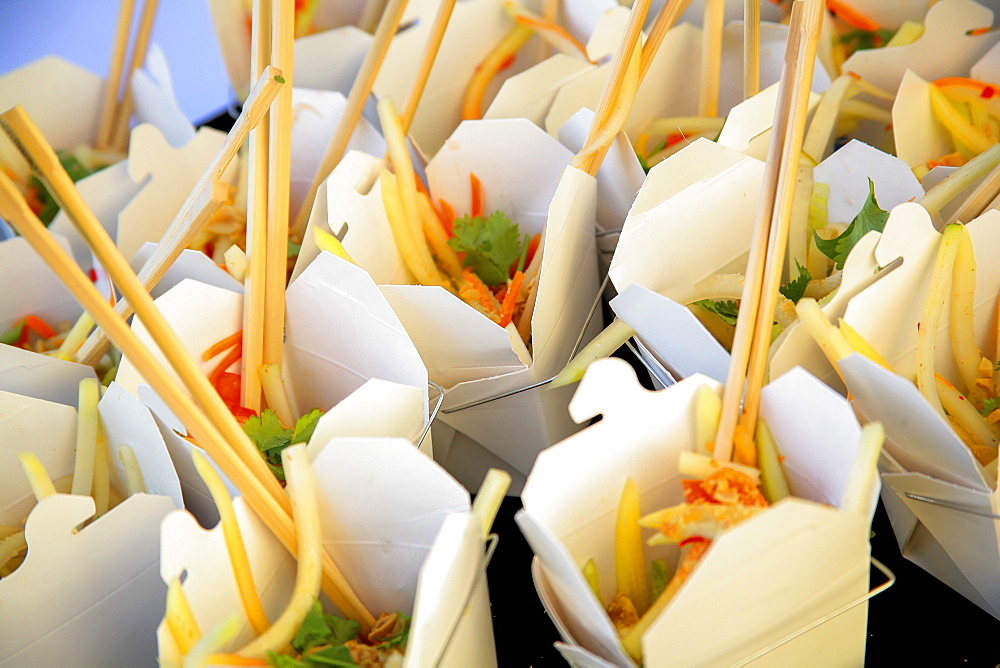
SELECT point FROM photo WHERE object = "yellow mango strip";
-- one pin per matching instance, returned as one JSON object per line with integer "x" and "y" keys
{"x": 331, "y": 244}
{"x": 496, "y": 60}
{"x": 864, "y": 471}
{"x": 414, "y": 251}
{"x": 958, "y": 181}
{"x": 234, "y": 543}
{"x": 274, "y": 393}
{"x": 866, "y": 110}
{"x": 861, "y": 345}
{"x": 133, "y": 474}
{"x": 489, "y": 497}
{"x": 603, "y": 345}
{"x": 630, "y": 566}
{"x": 10, "y": 547}
{"x": 956, "y": 125}
{"x": 830, "y": 340}
{"x": 964, "y": 413}
{"x": 437, "y": 239}
{"x": 707, "y": 409}
{"x": 180, "y": 618}
{"x": 86, "y": 436}
{"x": 931, "y": 316}
{"x": 38, "y": 477}
{"x": 908, "y": 33}
{"x": 309, "y": 541}
{"x": 102, "y": 473}
{"x": 593, "y": 578}
{"x": 236, "y": 262}
{"x": 774, "y": 484}
{"x": 961, "y": 317}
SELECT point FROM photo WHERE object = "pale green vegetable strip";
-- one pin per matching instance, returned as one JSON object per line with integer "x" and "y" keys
{"x": 962, "y": 316}
{"x": 11, "y": 546}
{"x": 236, "y": 262}
{"x": 800, "y": 232}
{"x": 234, "y": 543}
{"x": 908, "y": 33}
{"x": 102, "y": 473}
{"x": 593, "y": 578}
{"x": 830, "y": 340}
{"x": 309, "y": 542}
{"x": 965, "y": 414}
{"x": 772, "y": 473}
{"x": 824, "y": 120}
{"x": 273, "y": 388}
{"x": 38, "y": 477}
{"x": 217, "y": 637}
{"x": 490, "y": 496}
{"x": 959, "y": 128}
{"x": 86, "y": 436}
{"x": 134, "y": 483}
{"x": 630, "y": 566}
{"x": 707, "y": 408}
{"x": 866, "y": 110}
{"x": 963, "y": 177}
{"x": 603, "y": 345}
{"x": 931, "y": 316}
{"x": 180, "y": 619}
{"x": 864, "y": 470}
{"x": 75, "y": 337}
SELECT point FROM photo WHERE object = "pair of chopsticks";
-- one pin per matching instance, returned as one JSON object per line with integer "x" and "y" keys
{"x": 752, "y": 340}
{"x": 116, "y": 107}
{"x": 204, "y": 412}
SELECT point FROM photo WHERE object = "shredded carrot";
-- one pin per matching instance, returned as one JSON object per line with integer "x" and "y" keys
{"x": 851, "y": 16}
{"x": 475, "y": 289}
{"x": 223, "y": 345}
{"x": 975, "y": 32}
{"x": 447, "y": 215}
{"x": 532, "y": 248}
{"x": 235, "y": 353}
{"x": 477, "y": 195}
{"x": 746, "y": 451}
{"x": 234, "y": 660}
{"x": 985, "y": 90}
{"x": 38, "y": 326}
{"x": 510, "y": 299}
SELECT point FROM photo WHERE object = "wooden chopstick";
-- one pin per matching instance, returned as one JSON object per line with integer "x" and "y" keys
{"x": 113, "y": 82}
{"x": 665, "y": 20}
{"x": 120, "y": 125}
{"x": 204, "y": 199}
{"x": 352, "y": 111}
{"x": 438, "y": 28}
{"x": 230, "y": 441}
{"x": 747, "y": 339}
{"x": 711, "y": 57}
{"x": 751, "y": 48}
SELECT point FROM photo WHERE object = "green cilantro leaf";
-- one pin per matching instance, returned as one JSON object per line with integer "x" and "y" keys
{"x": 313, "y": 631}
{"x": 76, "y": 170}
{"x": 871, "y": 217}
{"x": 990, "y": 404}
{"x": 279, "y": 78}
{"x": 282, "y": 661}
{"x": 491, "y": 245}
{"x": 400, "y": 638}
{"x": 727, "y": 310}
{"x": 331, "y": 656}
{"x": 796, "y": 288}
{"x": 660, "y": 577}
{"x": 341, "y": 630}
{"x": 320, "y": 640}
{"x": 293, "y": 249}
{"x": 867, "y": 39}
{"x": 305, "y": 426}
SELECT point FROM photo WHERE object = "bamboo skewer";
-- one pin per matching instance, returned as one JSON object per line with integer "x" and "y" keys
{"x": 225, "y": 436}
{"x": 984, "y": 197}
{"x": 665, "y": 20}
{"x": 120, "y": 129}
{"x": 441, "y": 20}
{"x": 113, "y": 81}
{"x": 711, "y": 57}
{"x": 803, "y": 34}
{"x": 278, "y": 185}
{"x": 751, "y": 48}
{"x": 204, "y": 199}
{"x": 256, "y": 235}
{"x": 352, "y": 111}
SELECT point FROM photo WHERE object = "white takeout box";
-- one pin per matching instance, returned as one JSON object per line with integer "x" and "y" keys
{"x": 396, "y": 525}
{"x": 465, "y": 352}
{"x": 82, "y": 593}
{"x": 808, "y": 557}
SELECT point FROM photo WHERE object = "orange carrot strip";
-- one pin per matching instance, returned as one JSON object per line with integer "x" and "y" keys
{"x": 475, "y": 290}
{"x": 851, "y": 16}
{"x": 447, "y": 215}
{"x": 224, "y": 344}
{"x": 38, "y": 326}
{"x": 985, "y": 90}
{"x": 510, "y": 299}
{"x": 477, "y": 195}
{"x": 235, "y": 353}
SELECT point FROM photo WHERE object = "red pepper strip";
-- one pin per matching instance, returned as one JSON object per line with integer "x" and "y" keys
{"x": 985, "y": 90}
{"x": 510, "y": 299}
{"x": 223, "y": 345}
{"x": 851, "y": 16}
{"x": 692, "y": 540}
{"x": 231, "y": 357}
{"x": 477, "y": 195}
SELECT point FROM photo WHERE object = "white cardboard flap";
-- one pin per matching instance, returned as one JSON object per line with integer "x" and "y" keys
{"x": 330, "y": 60}
{"x": 916, "y": 435}
{"x": 918, "y": 135}
{"x": 382, "y": 504}
{"x": 74, "y": 587}
{"x": 31, "y": 288}
{"x": 339, "y": 333}
{"x": 189, "y": 264}
{"x": 210, "y": 585}
{"x": 40, "y": 376}
{"x": 451, "y": 611}
{"x": 748, "y": 125}
{"x": 672, "y": 332}
{"x": 32, "y": 425}
{"x": 155, "y": 101}
{"x": 944, "y": 48}
{"x": 531, "y": 93}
